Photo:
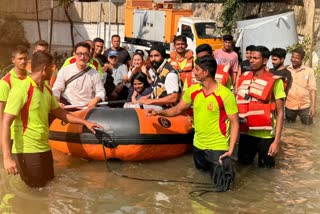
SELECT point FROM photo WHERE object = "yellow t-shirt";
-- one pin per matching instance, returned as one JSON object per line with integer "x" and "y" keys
{"x": 32, "y": 107}
{"x": 212, "y": 127}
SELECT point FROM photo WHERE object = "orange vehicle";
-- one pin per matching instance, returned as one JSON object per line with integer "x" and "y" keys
{"x": 146, "y": 25}
{"x": 128, "y": 135}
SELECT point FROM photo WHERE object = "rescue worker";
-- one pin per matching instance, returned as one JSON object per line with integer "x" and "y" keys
{"x": 181, "y": 58}
{"x": 216, "y": 122}
{"x": 260, "y": 99}
{"x": 222, "y": 72}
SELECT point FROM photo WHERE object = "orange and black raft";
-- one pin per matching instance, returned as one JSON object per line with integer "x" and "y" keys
{"x": 128, "y": 135}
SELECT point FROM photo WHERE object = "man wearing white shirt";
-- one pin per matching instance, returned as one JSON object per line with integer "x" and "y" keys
{"x": 86, "y": 89}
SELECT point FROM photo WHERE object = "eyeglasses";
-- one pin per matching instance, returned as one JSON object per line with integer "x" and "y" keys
{"x": 82, "y": 54}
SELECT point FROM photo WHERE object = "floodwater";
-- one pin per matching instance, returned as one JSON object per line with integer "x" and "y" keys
{"x": 83, "y": 186}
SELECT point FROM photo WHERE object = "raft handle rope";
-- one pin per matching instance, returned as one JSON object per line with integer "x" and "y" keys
{"x": 106, "y": 140}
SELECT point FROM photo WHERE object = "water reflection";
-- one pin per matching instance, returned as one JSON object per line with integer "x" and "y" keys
{"x": 82, "y": 186}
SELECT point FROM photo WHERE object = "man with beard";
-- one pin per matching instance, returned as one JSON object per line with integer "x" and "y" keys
{"x": 165, "y": 80}
{"x": 260, "y": 99}
{"x": 182, "y": 58}
{"x": 278, "y": 55}
{"x": 301, "y": 98}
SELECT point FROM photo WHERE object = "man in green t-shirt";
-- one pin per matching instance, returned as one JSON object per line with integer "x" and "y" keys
{"x": 29, "y": 105}
{"x": 19, "y": 58}
{"x": 215, "y": 118}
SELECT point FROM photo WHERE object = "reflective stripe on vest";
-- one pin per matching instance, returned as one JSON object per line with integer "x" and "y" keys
{"x": 222, "y": 74}
{"x": 187, "y": 67}
{"x": 254, "y": 101}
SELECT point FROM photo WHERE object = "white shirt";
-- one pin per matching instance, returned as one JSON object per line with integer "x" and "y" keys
{"x": 81, "y": 90}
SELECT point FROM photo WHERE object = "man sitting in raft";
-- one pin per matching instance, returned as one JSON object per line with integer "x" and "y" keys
{"x": 216, "y": 122}
{"x": 78, "y": 83}
{"x": 165, "y": 81}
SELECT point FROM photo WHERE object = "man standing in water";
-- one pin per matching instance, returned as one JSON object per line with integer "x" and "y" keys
{"x": 14, "y": 77}
{"x": 29, "y": 105}
{"x": 215, "y": 118}
{"x": 278, "y": 55}
{"x": 301, "y": 98}
{"x": 260, "y": 99}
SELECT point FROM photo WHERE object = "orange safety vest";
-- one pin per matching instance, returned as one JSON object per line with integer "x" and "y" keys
{"x": 255, "y": 106}
{"x": 222, "y": 75}
{"x": 186, "y": 71}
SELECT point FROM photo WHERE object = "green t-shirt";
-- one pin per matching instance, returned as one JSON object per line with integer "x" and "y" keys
{"x": 31, "y": 106}
{"x": 279, "y": 93}
{"x": 93, "y": 63}
{"x": 7, "y": 82}
{"x": 211, "y": 123}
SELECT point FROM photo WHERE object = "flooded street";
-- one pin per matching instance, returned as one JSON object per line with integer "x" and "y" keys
{"x": 82, "y": 186}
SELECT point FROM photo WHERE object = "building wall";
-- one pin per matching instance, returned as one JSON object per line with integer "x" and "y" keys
{"x": 79, "y": 11}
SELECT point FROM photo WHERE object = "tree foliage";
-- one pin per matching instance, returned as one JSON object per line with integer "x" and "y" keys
{"x": 229, "y": 15}
{"x": 11, "y": 34}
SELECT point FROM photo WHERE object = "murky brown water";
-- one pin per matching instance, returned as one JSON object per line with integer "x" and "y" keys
{"x": 83, "y": 186}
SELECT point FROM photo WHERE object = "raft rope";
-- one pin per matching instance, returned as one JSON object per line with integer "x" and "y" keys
{"x": 196, "y": 193}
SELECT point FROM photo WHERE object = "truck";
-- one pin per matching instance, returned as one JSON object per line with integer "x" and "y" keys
{"x": 147, "y": 24}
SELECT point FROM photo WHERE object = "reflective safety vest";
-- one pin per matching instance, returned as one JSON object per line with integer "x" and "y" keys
{"x": 184, "y": 72}
{"x": 254, "y": 99}
{"x": 158, "y": 82}
{"x": 222, "y": 74}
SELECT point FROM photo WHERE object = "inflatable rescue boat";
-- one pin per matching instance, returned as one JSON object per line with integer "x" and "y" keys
{"x": 128, "y": 135}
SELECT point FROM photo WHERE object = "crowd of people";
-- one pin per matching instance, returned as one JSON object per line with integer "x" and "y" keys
{"x": 229, "y": 101}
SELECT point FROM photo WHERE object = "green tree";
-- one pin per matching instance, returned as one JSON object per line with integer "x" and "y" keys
{"x": 11, "y": 34}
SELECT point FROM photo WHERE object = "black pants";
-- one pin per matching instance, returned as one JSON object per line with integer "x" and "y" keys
{"x": 35, "y": 169}
{"x": 249, "y": 146}
{"x": 222, "y": 176}
{"x": 291, "y": 115}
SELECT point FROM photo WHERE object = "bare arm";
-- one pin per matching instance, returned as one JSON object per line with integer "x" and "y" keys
{"x": 274, "y": 147}
{"x": 67, "y": 116}
{"x": 313, "y": 95}
{"x": 92, "y": 103}
{"x": 2, "y": 106}
{"x": 171, "y": 112}
{"x": 167, "y": 100}
{"x": 237, "y": 79}
{"x": 9, "y": 164}
{"x": 234, "y": 134}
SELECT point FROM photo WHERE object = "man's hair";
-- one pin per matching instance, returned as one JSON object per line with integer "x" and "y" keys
{"x": 299, "y": 51}
{"x": 207, "y": 63}
{"x": 39, "y": 59}
{"x": 204, "y": 48}
{"x": 98, "y": 40}
{"x": 279, "y": 52}
{"x": 265, "y": 53}
{"x": 82, "y": 44}
{"x": 42, "y": 43}
{"x": 19, "y": 49}
{"x": 250, "y": 48}
{"x": 115, "y": 35}
{"x": 227, "y": 37}
{"x": 181, "y": 38}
